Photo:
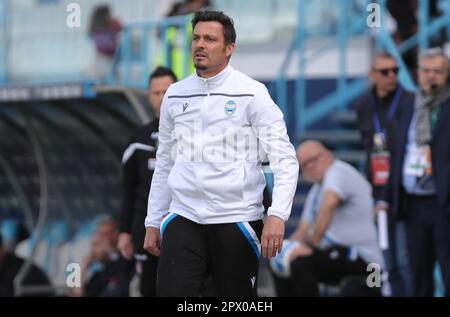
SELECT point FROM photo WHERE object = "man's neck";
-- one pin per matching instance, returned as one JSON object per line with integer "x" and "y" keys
{"x": 382, "y": 93}
{"x": 208, "y": 73}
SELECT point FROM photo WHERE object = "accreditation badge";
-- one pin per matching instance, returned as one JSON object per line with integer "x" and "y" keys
{"x": 418, "y": 161}
{"x": 380, "y": 166}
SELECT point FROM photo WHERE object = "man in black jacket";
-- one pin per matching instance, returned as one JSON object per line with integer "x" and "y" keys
{"x": 138, "y": 163}
{"x": 377, "y": 119}
{"x": 377, "y": 113}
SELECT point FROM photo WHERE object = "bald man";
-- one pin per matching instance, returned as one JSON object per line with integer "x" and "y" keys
{"x": 336, "y": 233}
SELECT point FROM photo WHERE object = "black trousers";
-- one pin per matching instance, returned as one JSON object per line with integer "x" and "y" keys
{"x": 428, "y": 237}
{"x": 191, "y": 252}
{"x": 329, "y": 266}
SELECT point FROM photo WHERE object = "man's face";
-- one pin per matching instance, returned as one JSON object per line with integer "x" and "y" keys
{"x": 104, "y": 240}
{"x": 107, "y": 231}
{"x": 209, "y": 51}
{"x": 433, "y": 73}
{"x": 158, "y": 87}
{"x": 101, "y": 248}
{"x": 312, "y": 164}
{"x": 384, "y": 74}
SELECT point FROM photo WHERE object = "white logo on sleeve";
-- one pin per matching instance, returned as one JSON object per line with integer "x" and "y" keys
{"x": 253, "y": 280}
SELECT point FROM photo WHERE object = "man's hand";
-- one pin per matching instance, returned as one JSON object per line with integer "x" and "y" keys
{"x": 152, "y": 241}
{"x": 302, "y": 251}
{"x": 125, "y": 245}
{"x": 272, "y": 236}
{"x": 381, "y": 205}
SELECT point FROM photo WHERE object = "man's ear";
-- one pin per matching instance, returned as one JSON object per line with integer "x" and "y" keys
{"x": 229, "y": 49}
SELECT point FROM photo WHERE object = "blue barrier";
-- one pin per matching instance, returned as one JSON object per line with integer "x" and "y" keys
{"x": 147, "y": 32}
{"x": 345, "y": 92}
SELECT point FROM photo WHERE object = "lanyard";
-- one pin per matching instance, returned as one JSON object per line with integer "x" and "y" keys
{"x": 392, "y": 108}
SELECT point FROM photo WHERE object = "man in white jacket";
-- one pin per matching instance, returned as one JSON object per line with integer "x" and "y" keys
{"x": 205, "y": 208}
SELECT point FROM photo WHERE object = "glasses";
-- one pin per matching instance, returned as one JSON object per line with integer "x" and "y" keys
{"x": 311, "y": 161}
{"x": 386, "y": 71}
{"x": 437, "y": 71}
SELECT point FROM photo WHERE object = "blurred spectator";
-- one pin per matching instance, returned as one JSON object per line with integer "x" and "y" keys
{"x": 405, "y": 13}
{"x": 377, "y": 114}
{"x": 138, "y": 165}
{"x": 336, "y": 234}
{"x": 174, "y": 57}
{"x": 439, "y": 39}
{"x": 13, "y": 231}
{"x": 104, "y": 30}
{"x": 104, "y": 273}
{"x": 10, "y": 266}
{"x": 419, "y": 185}
{"x": 187, "y": 7}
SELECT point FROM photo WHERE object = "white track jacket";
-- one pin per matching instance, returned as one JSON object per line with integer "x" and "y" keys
{"x": 213, "y": 135}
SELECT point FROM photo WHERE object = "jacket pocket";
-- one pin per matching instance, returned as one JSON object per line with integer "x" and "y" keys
{"x": 223, "y": 185}
{"x": 253, "y": 184}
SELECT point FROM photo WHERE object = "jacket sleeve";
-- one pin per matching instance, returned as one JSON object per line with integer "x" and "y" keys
{"x": 129, "y": 184}
{"x": 159, "y": 196}
{"x": 404, "y": 111}
{"x": 267, "y": 121}
{"x": 364, "y": 124}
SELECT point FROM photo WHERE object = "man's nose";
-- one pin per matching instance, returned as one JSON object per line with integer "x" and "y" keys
{"x": 200, "y": 43}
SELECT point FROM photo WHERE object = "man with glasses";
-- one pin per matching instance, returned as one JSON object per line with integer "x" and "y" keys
{"x": 336, "y": 234}
{"x": 377, "y": 121}
{"x": 419, "y": 184}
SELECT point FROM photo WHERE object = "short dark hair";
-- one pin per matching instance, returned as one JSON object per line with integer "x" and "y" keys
{"x": 161, "y": 71}
{"x": 382, "y": 54}
{"x": 229, "y": 33}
